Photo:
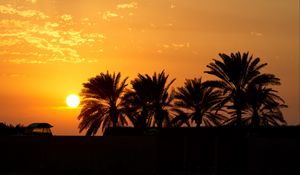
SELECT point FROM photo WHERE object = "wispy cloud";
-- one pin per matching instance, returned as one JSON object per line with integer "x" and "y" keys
{"x": 87, "y": 22}
{"x": 26, "y": 61}
{"x": 32, "y": 1}
{"x": 180, "y": 45}
{"x": 85, "y": 19}
{"x": 175, "y": 46}
{"x": 41, "y": 42}
{"x": 9, "y": 42}
{"x": 256, "y": 34}
{"x": 66, "y": 17}
{"x": 108, "y": 15}
{"x": 9, "y": 10}
{"x": 127, "y": 6}
{"x": 172, "y": 47}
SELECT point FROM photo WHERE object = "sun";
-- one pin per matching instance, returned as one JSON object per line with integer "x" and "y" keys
{"x": 72, "y": 100}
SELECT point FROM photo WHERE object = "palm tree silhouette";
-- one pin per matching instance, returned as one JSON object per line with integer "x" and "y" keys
{"x": 265, "y": 105}
{"x": 101, "y": 103}
{"x": 180, "y": 118}
{"x": 235, "y": 73}
{"x": 198, "y": 103}
{"x": 149, "y": 100}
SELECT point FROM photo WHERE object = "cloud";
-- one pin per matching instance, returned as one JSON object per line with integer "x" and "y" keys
{"x": 9, "y": 42}
{"x": 180, "y": 45}
{"x": 169, "y": 24}
{"x": 107, "y": 15}
{"x": 32, "y": 1}
{"x": 127, "y": 6}
{"x": 66, "y": 17}
{"x": 87, "y": 22}
{"x": 26, "y": 61}
{"x": 256, "y": 34}
{"x": 5, "y": 52}
{"x": 172, "y": 47}
{"x": 43, "y": 41}
{"x": 175, "y": 46}
{"x": 85, "y": 19}
{"x": 9, "y": 10}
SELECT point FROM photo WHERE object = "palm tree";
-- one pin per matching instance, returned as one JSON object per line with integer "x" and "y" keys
{"x": 271, "y": 115}
{"x": 137, "y": 104}
{"x": 199, "y": 102}
{"x": 235, "y": 73}
{"x": 181, "y": 118}
{"x": 101, "y": 104}
{"x": 265, "y": 105}
{"x": 149, "y": 100}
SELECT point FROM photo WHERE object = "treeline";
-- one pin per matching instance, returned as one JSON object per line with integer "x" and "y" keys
{"x": 8, "y": 129}
{"x": 241, "y": 95}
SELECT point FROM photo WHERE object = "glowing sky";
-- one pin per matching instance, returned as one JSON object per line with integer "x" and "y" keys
{"x": 48, "y": 48}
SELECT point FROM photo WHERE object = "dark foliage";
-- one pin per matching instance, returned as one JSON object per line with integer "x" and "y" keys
{"x": 241, "y": 96}
{"x": 148, "y": 101}
{"x": 239, "y": 77}
{"x": 101, "y": 103}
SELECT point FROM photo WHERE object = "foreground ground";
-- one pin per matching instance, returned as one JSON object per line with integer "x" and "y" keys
{"x": 225, "y": 151}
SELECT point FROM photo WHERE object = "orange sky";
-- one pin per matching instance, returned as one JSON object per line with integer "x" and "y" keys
{"x": 48, "y": 48}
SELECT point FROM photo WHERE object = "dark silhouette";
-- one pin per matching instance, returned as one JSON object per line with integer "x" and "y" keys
{"x": 6, "y": 129}
{"x": 11, "y": 130}
{"x": 241, "y": 92}
{"x": 41, "y": 129}
{"x": 213, "y": 150}
{"x": 265, "y": 105}
{"x": 101, "y": 103}
{"x": 196, "y": 102}
{"x": 149, "y": 100}
{"x": 34, "y": 129}
{"x": 237, "y": 75}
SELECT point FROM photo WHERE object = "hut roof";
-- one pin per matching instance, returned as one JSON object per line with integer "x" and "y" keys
{"x": 40, "y": 125}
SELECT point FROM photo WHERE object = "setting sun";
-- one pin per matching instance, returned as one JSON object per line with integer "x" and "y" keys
{"x": 72, "y": 100}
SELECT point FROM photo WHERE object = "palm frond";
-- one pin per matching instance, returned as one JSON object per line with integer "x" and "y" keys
{"x": 102, "y": 103}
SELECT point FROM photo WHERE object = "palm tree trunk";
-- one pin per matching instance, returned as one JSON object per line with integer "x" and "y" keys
{"x": 159, "y": 120}
{"x": 237, "y": 104}
{"x": 114, "y": 113}
{"x": 115, "y": 119}
{"x": 142, "y": 121}
{"x": 114, "y": 116}
{"x": 198, "y": 118}
{"x": 255, "y": 118}
{"x": 198, "y": 122}
{"x": 159, "y": 117}
{"x": 238, "y": 117}
{"x": 114, "y": 124}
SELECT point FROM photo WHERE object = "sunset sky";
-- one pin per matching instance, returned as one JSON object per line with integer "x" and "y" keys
{"x": 48, "y": 48}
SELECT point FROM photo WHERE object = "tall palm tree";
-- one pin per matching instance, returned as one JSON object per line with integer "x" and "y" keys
{"x": 270, "y": 115}
{"x": 149, "y": 100}
{"x": 181, "y": 118}
{"x": 200, "y": 103}
{"x": 235, "y": 72}
{"x": 101, "y": 103}
{"x": 262, "y": 105}
{"x": 265, "y": 106}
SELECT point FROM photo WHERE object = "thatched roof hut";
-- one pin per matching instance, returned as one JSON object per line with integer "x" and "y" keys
{"x": 39, "y": 129}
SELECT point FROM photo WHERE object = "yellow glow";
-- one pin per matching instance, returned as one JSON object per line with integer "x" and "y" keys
{"x": 72, "y": 100}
